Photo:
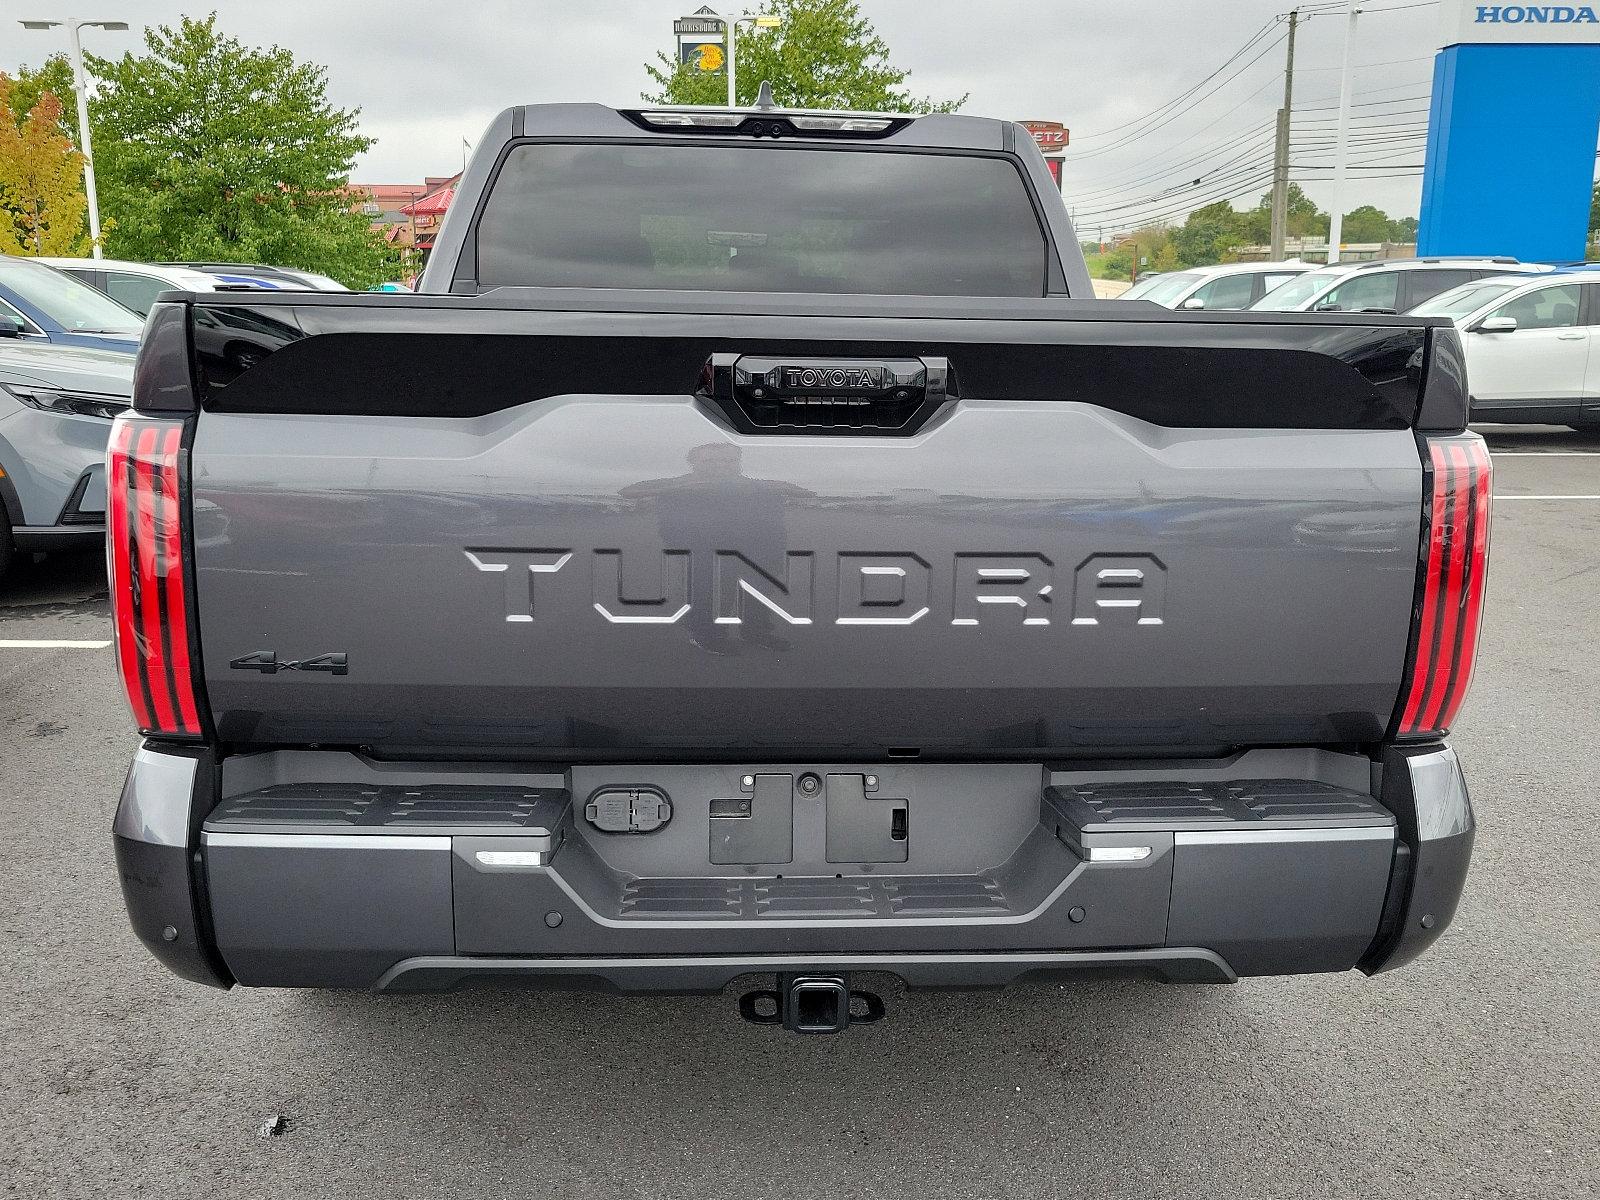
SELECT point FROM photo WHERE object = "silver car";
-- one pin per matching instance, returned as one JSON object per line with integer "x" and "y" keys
{"x": 56, "y": 408}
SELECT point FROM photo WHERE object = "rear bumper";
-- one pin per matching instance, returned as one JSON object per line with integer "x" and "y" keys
{"x": 402, "y": 902}
{"x": 44, "y": 539}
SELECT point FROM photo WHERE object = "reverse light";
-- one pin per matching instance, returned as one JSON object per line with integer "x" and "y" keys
{"x": 153, "y": 618}
{"x": 1455, "y": 561}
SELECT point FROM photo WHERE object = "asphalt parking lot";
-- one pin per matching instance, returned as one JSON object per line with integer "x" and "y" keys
{"x": 1472, "y": 1073}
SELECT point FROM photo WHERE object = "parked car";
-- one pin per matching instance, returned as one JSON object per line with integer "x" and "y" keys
{"x": 804, "y": 583}
{"x": 1532, "y": 346}
{"x": 136, "y": 285}
{"x": 1385, "y": 285}
{"x": 1225, "y": 286}
{"x": 56, "y": 408}
{"x": 268, "y": 278}
{"x": 41, "y": 304}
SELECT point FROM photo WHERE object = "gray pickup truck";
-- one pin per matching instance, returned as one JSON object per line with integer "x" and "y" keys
{"x": 754, "y": 554}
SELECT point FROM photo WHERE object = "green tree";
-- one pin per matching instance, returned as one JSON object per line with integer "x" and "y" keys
{"x": 1116, "y": 264}
{"x": 1165, "y": 258}
{"x": 1146, "y": 249}
{"x": 1303, "y": 217}
{"x": 1209, "y": 234}
{"x": 1592, "y": 247}
{"x": 206, "y": 148}
{"x": 825, "y": 54}
{"x": 1366, "y": 224}
{"x": 42, "y": 203}
{"x": 1255, "y": 225}
{"x": 1403, "y": 230}
{"x": 53, "y": 76}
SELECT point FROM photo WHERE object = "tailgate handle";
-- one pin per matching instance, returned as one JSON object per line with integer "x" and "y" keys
{"x": 784, "y": 394}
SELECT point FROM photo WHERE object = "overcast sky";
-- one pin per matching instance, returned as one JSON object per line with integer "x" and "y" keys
{"x": 427, "y": 74}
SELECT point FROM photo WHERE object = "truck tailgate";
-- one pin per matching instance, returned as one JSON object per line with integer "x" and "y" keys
{"x": 512, "y": 564}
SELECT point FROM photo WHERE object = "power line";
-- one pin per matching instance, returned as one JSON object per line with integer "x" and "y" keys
{"x": 1408, "y": 168}
{"x": 1230, "y": 165}
{"x": 1243, "y": 179}
{"x": 1168, "y": 118}
{"x": 1366, "y": 103}
{"x": 1160, "y": 216}
{"x": 1163, "y": 198}
{"x": 1374, "y": 143}
{"x": 1156, "y": 215}
{"x": 1255, "y": 37}
{"x": 1165, "y": 214}
{"x": 1400, "y": 7}
{"x": 1111, "y": 196}
{"x": 1232, "y": 174}
{"x": 1333, "y": 100}
{"x": 1130, "y": 178}
{"x": 1196, "y": 159}
{"x": 1392, "y": 62}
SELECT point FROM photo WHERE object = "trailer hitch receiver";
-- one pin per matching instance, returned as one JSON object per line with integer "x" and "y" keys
{"x": 811, "y": 1004}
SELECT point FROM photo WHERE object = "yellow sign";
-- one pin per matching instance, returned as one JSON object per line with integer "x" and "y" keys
{"x": 710, "y": 57}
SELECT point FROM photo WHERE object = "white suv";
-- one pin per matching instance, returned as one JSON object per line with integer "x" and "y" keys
{"x": 132, "y": 284}
{"x": 1533, "y": 354}
{"x": 1385, "y": 285}
{"x": 1225, "y": 286}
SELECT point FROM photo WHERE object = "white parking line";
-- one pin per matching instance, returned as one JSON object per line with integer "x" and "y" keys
{"x": 1547, "y": 497}
{"x": 41, "y": 644}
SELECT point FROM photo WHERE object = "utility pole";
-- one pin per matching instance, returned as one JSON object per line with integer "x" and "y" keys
{"x": 80, "y": 85}
{"x": 1280, "y": 155}
{"x": 1336, "y": 227}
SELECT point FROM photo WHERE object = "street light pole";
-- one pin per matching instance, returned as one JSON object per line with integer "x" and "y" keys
{"x": 1336, "y": 224}
{"x": 732, "y": 24}
{"x": 80, "y": 85}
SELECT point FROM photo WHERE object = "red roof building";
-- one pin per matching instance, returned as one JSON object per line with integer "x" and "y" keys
{"x": 426, "y": 212}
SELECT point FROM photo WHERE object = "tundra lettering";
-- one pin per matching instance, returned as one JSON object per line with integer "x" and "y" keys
{"x": 876, "y": 589}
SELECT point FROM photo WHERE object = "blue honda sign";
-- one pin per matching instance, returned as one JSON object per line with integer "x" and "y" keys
{"x": 1512, "y": 131}
{"x": 1527, "y": 14}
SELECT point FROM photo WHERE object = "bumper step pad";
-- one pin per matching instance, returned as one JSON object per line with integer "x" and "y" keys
{"x": 354, "y": 807}
{"x": 1262, "y": 803}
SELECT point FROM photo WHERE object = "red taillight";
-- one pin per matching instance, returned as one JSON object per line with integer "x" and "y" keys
{"x": 1455, "y": 563}
{"x": 144, "y": 531}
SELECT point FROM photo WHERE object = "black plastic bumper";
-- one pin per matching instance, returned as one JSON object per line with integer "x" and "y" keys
{"x": 1424, "y": 788}
{"x": 687, "y": 974}
{"x": 155, "y": 834}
